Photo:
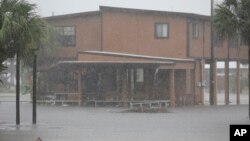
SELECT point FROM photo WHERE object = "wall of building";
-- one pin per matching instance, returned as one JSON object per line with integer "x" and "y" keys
{"x": 88, "y": 34}
{"x": 199, "y": 47}
{"x": 240, "y": 52}
{"x": 135, "y": 33}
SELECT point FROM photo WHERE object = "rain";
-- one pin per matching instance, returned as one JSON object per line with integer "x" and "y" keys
{"x": 122, "y": 70}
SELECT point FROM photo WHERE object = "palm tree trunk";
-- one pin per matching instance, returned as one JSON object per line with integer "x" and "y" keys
{"x": 18, "y": 86}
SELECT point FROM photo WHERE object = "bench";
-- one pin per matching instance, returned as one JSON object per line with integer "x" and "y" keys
{"x": 98, "y": 102}
{"x": 149, "y": 104}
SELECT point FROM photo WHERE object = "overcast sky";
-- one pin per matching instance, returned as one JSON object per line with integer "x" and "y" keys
{"x": 59, "y": 7}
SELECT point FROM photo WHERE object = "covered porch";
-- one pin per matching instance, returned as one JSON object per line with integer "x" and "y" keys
{"x": 120, "y": 79}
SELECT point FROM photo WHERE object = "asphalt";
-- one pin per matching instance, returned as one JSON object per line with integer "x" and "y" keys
{"x": 73, "y": 123}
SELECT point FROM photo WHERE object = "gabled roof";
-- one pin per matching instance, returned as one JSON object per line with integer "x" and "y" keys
{"x": 155, "y": 12}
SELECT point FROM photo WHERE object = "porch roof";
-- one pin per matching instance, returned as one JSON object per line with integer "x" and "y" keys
{"x": 103, "y": 58}
{"x": 135, "y": 56}
{"x": 115, "y": 62}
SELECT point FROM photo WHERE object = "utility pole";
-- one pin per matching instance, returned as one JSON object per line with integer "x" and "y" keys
{"x": 211, "y": 96}
{"x": 34, "y": 88}
{"x": 18, "y": 86}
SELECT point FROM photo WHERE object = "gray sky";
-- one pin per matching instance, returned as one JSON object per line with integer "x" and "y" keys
{"x": 59, "y": 7}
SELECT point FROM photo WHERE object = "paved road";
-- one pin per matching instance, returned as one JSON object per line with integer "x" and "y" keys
{"x": 57, "y": 123}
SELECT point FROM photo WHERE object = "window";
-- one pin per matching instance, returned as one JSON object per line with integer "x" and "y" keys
{"x": 161, "y": 30}
{"x": 195, "y": 30}
{"x": 139, "y": 80}
{"x": 67, "y": 36}
{"x": 139, "y": 75}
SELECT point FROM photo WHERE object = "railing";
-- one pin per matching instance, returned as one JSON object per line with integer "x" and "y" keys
{"x": 134, "y": 104}
{"x": 62, "y": 98}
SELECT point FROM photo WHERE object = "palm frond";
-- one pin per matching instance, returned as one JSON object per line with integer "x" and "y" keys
{"x": 232, "y": 19}
{"x": 20, "y": 28}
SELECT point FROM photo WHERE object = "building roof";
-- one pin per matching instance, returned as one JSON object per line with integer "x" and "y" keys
{"x": 155, "y": 12}
{"x": 130, "y": 10}
{"x": 73, "y": 15}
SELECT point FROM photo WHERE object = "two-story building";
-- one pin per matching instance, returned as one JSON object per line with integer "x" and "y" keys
{"x": 120, "y": 54}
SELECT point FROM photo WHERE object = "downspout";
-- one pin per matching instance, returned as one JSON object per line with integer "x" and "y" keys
{"x": 188, "y": 42}
{"x": 156, "y": 81}
{"x": 101, "y": 48}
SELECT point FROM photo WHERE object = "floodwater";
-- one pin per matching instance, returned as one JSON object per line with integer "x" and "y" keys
{"x": 73, "y": 123}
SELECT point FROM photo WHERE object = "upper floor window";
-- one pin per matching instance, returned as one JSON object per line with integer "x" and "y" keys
{"x": 161, "y": 30}
{"x": 67, "y": 35}
{"x": 195, "y": 30}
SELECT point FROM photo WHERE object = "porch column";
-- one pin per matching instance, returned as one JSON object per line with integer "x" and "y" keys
{"x": 172, "y": 88}
{"x": 188, "y": 87}
{"x": 129, "y": 83}
{"x": 79, "y": 86}
{"x": 215, "y": 82}
{"x": 226, "y": 87}
{"x": 124, "y": 91}
{"x": 188, "y": 81}
{"x": 238, "y": 82}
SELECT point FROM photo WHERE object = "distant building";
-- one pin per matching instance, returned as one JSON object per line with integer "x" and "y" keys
{"x": 243, "y": 75}
{"x": 120, "y": 54}
{"x": 9, "y": 76}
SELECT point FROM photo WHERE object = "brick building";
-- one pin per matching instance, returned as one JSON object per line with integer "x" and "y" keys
{"x": 120, "y": 54}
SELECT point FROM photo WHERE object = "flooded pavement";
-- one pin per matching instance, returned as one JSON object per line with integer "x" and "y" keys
{"x": 58, "y": 123}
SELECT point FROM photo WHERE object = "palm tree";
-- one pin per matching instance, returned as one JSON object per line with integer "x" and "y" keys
{"x": 232, "y": 20}
{"x": 21, "y": 32}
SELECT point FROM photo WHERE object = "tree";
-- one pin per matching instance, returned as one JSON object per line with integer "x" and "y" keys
{"x": 21, "y": 31}
{"x": 232, "y": 20}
